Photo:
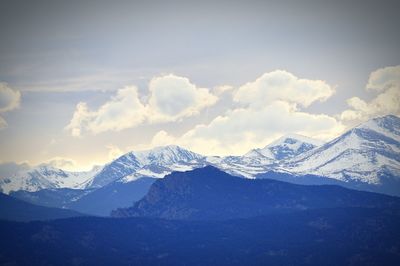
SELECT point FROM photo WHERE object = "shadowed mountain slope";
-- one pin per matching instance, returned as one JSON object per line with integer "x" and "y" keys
{"x": 208, "y": 193}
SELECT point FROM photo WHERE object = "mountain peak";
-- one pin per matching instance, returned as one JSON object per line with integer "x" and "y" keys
{"x": 292, "y": 138}
{"x": 368, "y": 153}
{"x": 165, "y": 155}
{"x": 287, "y": 146}
{"x": 156, "y": 163}
{"x": 388, "y": 126}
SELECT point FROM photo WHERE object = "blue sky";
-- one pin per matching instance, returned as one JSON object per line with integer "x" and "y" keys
{"x": 83, "y": 82}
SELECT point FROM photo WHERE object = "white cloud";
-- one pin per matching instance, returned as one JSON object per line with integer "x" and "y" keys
{"x": 173, "y": 97}
{"x": 8, "y": 169}
{"x": 62, "y": 163}
{"x": 114, "y": 152}
{"x": 124, "y": 110}
{"x": 384, "y": 78}
{"x": 170, "y": 98}
{"x": 222, "y": 89}
{"x": 284, "y": 86}
{"x": 387, "y": 82}
{"x": 162, "y": 138}
{"x": 9, "y": 100}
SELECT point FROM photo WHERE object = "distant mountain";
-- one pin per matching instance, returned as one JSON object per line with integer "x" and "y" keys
{"x": 112, "y": 196}
{"x": 265, "y": 159}
{"x": 154, "y": 163}
{"x": 56, "y": 197}
{"x": 329, "y": 237}
{"x": 117, "y": 184}
{"x": 98, "y": 202}
{"x": 46, "y": 177}
{"x": 16, "y": 210}
{"x": 367, "y": 154}
{"x": 208, "y": 193}
{"x": 285, "y": 147}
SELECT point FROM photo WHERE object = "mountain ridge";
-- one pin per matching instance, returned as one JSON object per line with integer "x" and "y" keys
{"x": 211, "y": 194}
{"x": 361, "y": 154}
{"x": 17, "y": 210}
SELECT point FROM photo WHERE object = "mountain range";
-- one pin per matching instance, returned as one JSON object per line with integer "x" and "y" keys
{"x": 366, "y": 157}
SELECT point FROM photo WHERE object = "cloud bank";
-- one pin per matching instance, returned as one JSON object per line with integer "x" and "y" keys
{"x": 260, "y": 111}
{"x": 264, "y": 110}
{"x": 171, "y": 98}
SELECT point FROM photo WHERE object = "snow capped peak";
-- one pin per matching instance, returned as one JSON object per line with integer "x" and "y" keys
{"x": 287, "y": 146}
{"x": 156, "y": 162}
{"x": 388, "y": 126}
{"x": 165, "y": 155}
{"x": 361, "y": 154}
{"x": 390, "y": 122}
{"x": 294, "y": 138}
{"x": 254, "y": 153}
{"x": 49, "y": 170}
{"x": 46, "y": 176}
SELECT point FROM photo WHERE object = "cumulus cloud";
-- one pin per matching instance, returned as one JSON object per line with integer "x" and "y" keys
{"x": 162, "y": 138}
{"x": 9, "y": 100}
{"x": 114, "y": 152}
{"x": 124, "y": 110}
{"x": 173, "y": 97}
{"x": 223, "y": 89}
{"x": 284, "y": 86}
{"x": 170, "y": 98}
{"x": 386, "y": 81}
{"x": 384, "y": 78}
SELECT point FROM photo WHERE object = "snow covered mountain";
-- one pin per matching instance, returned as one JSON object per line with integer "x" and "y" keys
{"x": 261, "y": 160}
{"x": 155, "y": 163}
{"x": 285, "y": 147}
{"x": 46, "y": 177}
{"x": 367, "y": 153}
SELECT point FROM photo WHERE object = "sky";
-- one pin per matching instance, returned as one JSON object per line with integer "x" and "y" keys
{"x": 82, "y": 82}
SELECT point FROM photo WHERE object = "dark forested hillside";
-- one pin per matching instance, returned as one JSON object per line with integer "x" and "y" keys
{"x": 338, "y": 236}
{"x": 209, "y": 193}
{"x": 18, "y": 210}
